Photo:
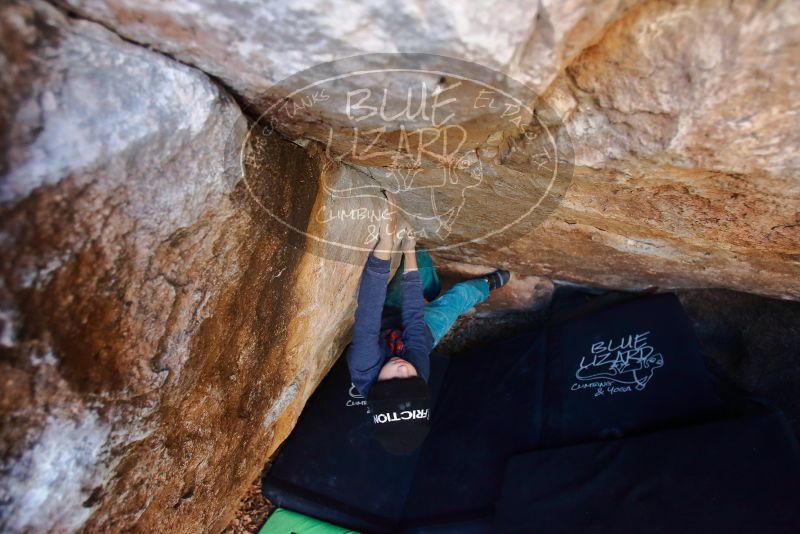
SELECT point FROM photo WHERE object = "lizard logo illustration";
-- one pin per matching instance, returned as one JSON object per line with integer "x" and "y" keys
{"x": 353, "y": 392}
{"x": 462, "y": 174}
{"x": 631, "y": 361}
{"x": 356, "y": 398}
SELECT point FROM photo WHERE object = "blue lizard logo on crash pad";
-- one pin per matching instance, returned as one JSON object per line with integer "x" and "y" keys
{"x": 630, "y": 361}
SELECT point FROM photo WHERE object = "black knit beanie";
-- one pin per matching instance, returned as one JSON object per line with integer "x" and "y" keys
{"x": 400, "y": 410}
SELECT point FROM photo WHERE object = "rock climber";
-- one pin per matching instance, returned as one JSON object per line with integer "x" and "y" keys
{"x": 395, "y": 331}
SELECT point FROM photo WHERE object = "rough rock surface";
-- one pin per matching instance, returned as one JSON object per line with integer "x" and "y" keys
{"x": 162, "y": 324}
{"x": 251, "y": 45}
{"x": 159, "y": 332}
{"x": 683, "y": 117}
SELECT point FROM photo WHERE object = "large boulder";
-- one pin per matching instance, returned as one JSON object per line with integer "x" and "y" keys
{"x": 684, "y": 122}
{"x": 160, "y": 331}
{"x": 250, "y": 45}
{"x": 682, "y": 117}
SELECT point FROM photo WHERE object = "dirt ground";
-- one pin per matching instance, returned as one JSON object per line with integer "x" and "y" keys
{"x": 755, "y": 340}
{"x": 252, "y": 513}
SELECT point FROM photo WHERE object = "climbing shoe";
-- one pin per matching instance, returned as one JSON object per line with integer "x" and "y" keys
{"x": 497, "y": 279}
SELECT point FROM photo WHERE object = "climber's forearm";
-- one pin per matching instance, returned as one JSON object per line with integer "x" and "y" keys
{"x": 364, "y": 356}
{"x": 410, "y": 261}
{"x": 384, "y": 248}
{"x": 417, "y": 340}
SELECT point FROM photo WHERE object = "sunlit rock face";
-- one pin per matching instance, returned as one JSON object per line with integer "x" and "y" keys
{"x": 682, "y": 118}
{"x": 160, "y": 331}
{"x": 251, "y": 45}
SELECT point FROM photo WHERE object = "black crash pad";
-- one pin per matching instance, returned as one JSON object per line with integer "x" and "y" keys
{"x": 533, "y": 391}
{"x": 333, "y": 469}
{"x": 630, "y": 367}
{"x": 624, "y": 370}
{"x": 732, "y": 475}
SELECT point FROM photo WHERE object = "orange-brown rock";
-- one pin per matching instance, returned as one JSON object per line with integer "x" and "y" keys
{"x": 682, "y": 116}
{"x": 160, "y": 331}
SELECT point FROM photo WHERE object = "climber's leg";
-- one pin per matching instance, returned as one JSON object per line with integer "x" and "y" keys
{"x": 443, "y": 312}
{"x": 431, "y": 286}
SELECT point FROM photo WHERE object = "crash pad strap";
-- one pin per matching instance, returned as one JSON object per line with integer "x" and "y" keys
{"x": 283, "y": 521}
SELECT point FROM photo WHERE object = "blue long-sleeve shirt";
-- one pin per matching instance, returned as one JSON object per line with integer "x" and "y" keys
{"x": 368, "y": 351}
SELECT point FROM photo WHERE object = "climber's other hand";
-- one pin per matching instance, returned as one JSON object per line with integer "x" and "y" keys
{"x": 389, "y": 219}
{"x": 409, "y": 241}
{"x": 388, "y": 228}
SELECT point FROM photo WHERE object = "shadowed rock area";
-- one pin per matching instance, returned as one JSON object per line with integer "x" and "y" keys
{"x": 176, "y": 279}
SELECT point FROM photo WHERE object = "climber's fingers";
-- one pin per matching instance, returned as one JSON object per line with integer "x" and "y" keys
{"x": 389, "y": 218}
{"x": 391, "y": 203}
{"x": 391, "y": 207}
{"x": 409, "y": 240}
